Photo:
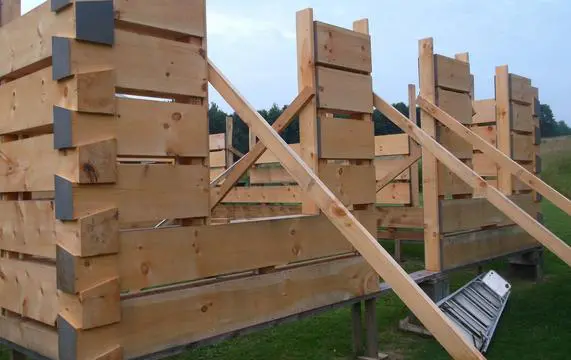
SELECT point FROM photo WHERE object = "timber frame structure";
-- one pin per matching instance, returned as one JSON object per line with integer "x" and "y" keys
{"x": 115, "y": 244}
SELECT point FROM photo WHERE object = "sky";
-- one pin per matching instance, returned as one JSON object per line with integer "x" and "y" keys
{"x": 253, "y": 43}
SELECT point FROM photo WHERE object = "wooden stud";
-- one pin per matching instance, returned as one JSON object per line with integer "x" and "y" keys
{"x": 357, "y": 328}
{"x": 503, "y": 119}
{"x": 372, "y": 348}
{"x": 367, "y": 245}
{"x": 229, "y": 140}
{"x": 416, "y": 150}
{"x": 430, "y": 179}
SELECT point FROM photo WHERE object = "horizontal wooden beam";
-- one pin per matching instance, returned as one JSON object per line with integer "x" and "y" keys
{"x": 362, "y": 240}
{"x": 497, "y": 156}
{"x": 397, "y": 169}
{"x": 499, "y": 200}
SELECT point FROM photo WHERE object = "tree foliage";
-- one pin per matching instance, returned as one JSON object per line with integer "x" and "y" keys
{"x": 549, "y": 126}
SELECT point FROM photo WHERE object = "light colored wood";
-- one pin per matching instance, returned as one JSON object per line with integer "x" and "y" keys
{"x": 351, "y": 184}
{"x": 377, "y": 257}
{"x": 269, "y": 158}
{"x": 218, "y": 159}
{"x": 452, "y": 74}
{"x": 270, "y": 175}
{"x": 215, "y": 173}
{"x": 346, "y": 139}
{"x": 263, "y": 194}
{"x": 397, "y": 144}
{"x": 29, "y": 289}
{"x": 468, "y": 248}
{"x": 429, "y": 164}
{"x": 148, "y": 192}
{"x": 345, "y": 91}
{"x": 394, "y": 193}
{"x": 496, "y": 198}
{"x": 342, "y": 48}
{"x": 306, "y": 77}
{"x": 522, "y": 117}
{"x": 456, "y": 104}
{"x": 395, "y": 217}
{"x": 9, "y": 10}
{"x": 450, "y": 184}
{"x": 483, "y": 165}
{"x": 522, "y": 147}
{"x": 415, "y": 149}
{"x": 239, "y": 168}
{"x": 27, "y": 40}
{"x": 458, "y": 214}
{"x": 217, "y": 141}
{"x": 499, "y": 158}
{"x": 180, "y": 17}
{"x": 487, "y": 132}
{"x": 503, "y": 118}
{"x": 30, "y": 335}
{"x": 454, "y": 143}
{"x": 250, "y": 211}
{"x": 179, "y": 68}
{"x": 28, "y": 227}
{"x": 520, "y": 89}
{"x": 191, "y": 253}
{"x": 229, "y": 141}
{"x": 485, "y": 111}
{"x": 385, "y": 168}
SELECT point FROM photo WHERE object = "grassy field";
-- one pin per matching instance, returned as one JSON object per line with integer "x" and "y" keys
{"x": 535, "y": 325}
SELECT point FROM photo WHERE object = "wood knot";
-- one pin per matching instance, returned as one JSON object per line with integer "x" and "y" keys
{"x": 176, "y": 116}
{"x": 145, "y": 268}
{"x": 91, "y": 172}
{"x": 166, "y": 126}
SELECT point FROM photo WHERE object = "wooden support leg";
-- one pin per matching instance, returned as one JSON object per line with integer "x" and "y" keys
{"x": 16, "y": 355}
{"x": 372, "y": 348}
{"x": 357, "y": 329}
{"x": 398, "y": 251}
{"x": 528, "y": 265}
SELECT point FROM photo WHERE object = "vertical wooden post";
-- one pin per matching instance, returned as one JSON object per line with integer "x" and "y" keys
{"x": 414, "y": 148}
{"x": 308, "y": 132}
{"x": 372, "y": 350}
{"x": 229, "y": 141}
{"x": 357, "y": 328}
{"x": 432, "y": 259}
{"x": 503, "y": 120}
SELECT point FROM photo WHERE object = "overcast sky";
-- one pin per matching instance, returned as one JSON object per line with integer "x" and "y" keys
{"x": 253, "y": 42}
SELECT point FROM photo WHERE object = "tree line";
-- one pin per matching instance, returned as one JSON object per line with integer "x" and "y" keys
{"x": 549, "y": 126}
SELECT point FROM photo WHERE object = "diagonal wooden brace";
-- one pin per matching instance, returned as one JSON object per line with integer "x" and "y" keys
{"x": 239, "y": 168}
{"x": 494, "y": 196}
{"x": 496, "y": 155}
{"x": 379, "y": 259}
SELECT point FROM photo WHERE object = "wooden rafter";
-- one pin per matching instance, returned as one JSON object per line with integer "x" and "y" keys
{"x": 497, "y": 156}
{"x": 494, "y": 196}
{"x": 239, "y": 168}
{"x": 367, "y": 245}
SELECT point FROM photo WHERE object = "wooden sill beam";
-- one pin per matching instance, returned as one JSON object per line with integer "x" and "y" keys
{"x": 494, "y": 196}
{"x": 239, "y": 168}
{"x": 497, "y": 156}
{"x": 380, "y": 260}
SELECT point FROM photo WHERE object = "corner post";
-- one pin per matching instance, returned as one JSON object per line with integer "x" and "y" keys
{"x": 229, "y": 141}
{"x": 503, "y": 120}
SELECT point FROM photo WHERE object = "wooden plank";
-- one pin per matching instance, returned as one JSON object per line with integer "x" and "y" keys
{"x": 381, "y": 261}
{"x": 27, "y": 40}
{"x": 456, "y": 104}
{"x": 450, "y": 184}
{"x": 406, "y": 217}
{"x": 181, "y": 17}
{"x": 477, "y": 246}
{"x": 9, "y": 10}
{"x": 452, "y": 74}
{"x": 29, "y": 289}
{"x": 263, "y": 194}
{"x": 427, "y": 83}
{"x": 308, "y": 117}
{"x": 30, "y": 335}
{"x": 230, "y": 141}
{"x": 200, "y": 252}
{"x": 458, "y": 214}
{"x": 215, "y": 172}
{"x": 218, "y": 159}
{"x": 179, "y": 68}
{"x": 522, "y": 147}
{"x": 270, "y": 175}
{"x": 454, "y": 143}
{"x": 500, "y": 201}
{"x": 269, "y": 158}
{"x": 217, "y": 141}
{"x": 487, "y": 132}
{"x": 345, "y": 91}
{"x": 28, "y": 227}
{"x": 346, "y": 139}
{"x": 144, "y": 192}
{"x": 351, "y": 184}
{"x": 386, "y": 166}
{"x": 397, "y": 144}
{"x": 522, "y": 117}
{"x": 416, "y": 151}
{"x": 342, "y": 48}
{"x": 520, "y": 89}
{"x": 394, "y": 193}
{"x": 503, "y": 118}
{"x": 240, "y": 211}
{"x": 485, "y": 111}
{"x": 483, "y": 165}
